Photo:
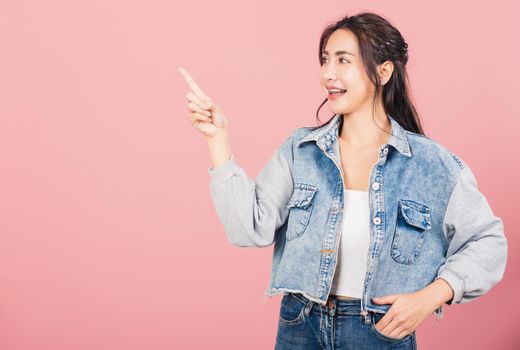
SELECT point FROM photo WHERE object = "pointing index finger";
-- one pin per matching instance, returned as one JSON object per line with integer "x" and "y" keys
{"x": 193, "y": 85}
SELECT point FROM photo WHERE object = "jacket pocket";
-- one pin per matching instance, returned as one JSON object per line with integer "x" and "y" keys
{"x": 413, "y": 222}
{"x": 300, "y": 208}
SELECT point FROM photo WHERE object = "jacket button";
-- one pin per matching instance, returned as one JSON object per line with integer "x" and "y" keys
{"x": 375, "y": 186}
{"x": 385, "y": 150}
{"x": 376, "y": 220}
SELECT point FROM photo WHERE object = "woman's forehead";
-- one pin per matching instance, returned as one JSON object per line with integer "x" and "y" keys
{"x": 342, "y": 40}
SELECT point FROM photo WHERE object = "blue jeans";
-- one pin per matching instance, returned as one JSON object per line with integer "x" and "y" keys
{"x": 304, "y": 324}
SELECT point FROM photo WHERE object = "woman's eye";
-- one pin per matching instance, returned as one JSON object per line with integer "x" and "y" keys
{"x": 341, "y": 60}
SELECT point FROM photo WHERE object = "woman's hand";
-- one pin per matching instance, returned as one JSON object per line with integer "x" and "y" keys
{"x": 407, "y": 312}
{"x": 204, "y": 114}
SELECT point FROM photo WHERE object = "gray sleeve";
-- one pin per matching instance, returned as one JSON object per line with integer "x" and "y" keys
{"x": 252, "y": 210}
{"x": 477, "y": 251}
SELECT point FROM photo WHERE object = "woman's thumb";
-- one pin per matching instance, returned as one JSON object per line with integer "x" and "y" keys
{"x": 207, "y": 105}
{"x": 218, "y": 116}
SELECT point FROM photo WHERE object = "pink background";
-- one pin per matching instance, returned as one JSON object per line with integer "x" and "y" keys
{"x": 108, "y": 236}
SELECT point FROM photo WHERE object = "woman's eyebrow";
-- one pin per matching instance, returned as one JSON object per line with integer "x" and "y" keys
{"x": 338, "y": 53}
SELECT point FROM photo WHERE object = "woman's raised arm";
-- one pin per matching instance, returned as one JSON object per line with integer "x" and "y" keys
{"x": 250, "y": 210}
{"x": 253, "y": 210}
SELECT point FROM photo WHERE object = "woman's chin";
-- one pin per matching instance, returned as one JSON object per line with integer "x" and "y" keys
{"x": 338, "y": 109}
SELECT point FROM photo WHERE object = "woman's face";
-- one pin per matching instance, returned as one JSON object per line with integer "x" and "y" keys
{"x": 345, "y": 71}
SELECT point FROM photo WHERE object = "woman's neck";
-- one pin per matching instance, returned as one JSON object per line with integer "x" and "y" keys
{"x": 360, "y": 130}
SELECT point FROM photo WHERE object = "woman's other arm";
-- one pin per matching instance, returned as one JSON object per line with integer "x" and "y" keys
{"x": 477, "y": 251}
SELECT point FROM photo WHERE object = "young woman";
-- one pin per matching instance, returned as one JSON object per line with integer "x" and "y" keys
{"x": 375, "y": 226}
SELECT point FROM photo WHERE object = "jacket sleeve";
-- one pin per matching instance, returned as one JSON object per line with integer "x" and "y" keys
{"x": 477, "y": 250}
{"x": 252, "y": 210}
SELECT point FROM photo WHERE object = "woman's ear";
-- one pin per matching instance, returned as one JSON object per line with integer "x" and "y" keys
{"x": 385, "y": 71}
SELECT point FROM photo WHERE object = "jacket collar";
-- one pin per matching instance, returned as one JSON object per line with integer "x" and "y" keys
{"x": 326, "y": 134}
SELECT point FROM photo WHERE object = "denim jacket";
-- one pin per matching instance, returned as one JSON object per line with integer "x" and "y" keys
{"x": 428, "y": 220}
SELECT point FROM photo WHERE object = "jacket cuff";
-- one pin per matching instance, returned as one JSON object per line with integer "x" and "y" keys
{"x": 224, "y": 171}
{"x": 455, "y": 282}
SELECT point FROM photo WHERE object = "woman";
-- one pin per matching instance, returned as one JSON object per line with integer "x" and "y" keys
{"x": 359, "y": 266}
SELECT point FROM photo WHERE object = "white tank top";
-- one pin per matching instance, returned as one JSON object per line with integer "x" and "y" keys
{"x": 353, "y": 248}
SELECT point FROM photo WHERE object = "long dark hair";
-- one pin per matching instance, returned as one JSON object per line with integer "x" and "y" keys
{"x": 380, "y": 41}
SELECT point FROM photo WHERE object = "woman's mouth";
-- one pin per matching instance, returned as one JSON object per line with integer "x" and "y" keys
{"x": 335, "y": 93}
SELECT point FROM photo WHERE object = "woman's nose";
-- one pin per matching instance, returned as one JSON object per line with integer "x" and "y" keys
{"x": 329, "y": 74}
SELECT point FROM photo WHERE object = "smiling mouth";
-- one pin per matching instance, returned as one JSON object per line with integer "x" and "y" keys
{"x": 336, "y": 92}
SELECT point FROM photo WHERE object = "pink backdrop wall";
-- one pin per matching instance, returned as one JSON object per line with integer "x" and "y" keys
{"x": 108, "y": 237}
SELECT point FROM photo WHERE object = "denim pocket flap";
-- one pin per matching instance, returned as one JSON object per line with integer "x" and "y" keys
{"x": 415, "y": 214}
{"x": 302, "y": 195}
